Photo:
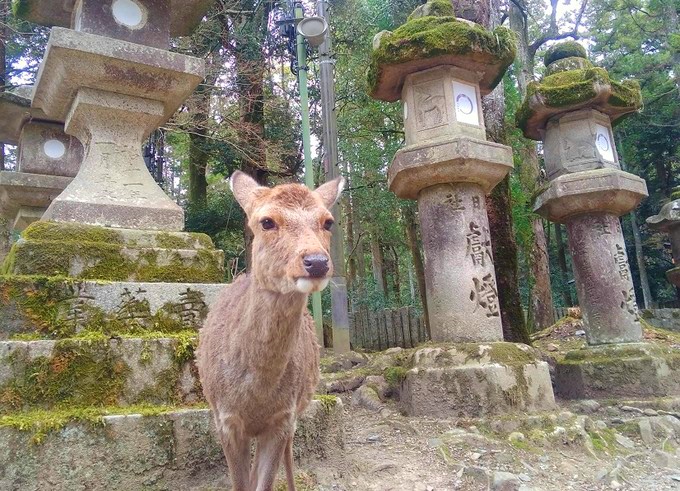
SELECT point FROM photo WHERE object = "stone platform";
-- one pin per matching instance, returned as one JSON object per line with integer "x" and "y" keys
{"x": 101, "y": 253}
{"x": 618, "y": 370}
{"x": 474, "y": 379}
{"x": 48, "y": 307}
{"x": 160, "y": 448}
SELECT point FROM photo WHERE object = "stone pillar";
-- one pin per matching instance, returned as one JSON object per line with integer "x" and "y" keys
{"x": 603, "y": 279}
{"x": 668, "y": 221}
{"x": 462, "y": 296}
{"x": 448, "y": 167}
{"x": 572, "y": 109}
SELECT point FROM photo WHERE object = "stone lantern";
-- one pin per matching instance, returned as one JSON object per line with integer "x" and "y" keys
{"x": 110, "y": 77}
{"x": 572, "y": 110}
{"x": 668, "y": 221}
{"x": 47, "y": 159}
{"x": 440, "y": 67}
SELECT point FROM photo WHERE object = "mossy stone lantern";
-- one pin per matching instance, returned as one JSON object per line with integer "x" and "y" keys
{"x": 440, "y": 66}
{"x": 668, "y": 221}
{"x": 47, "y": 159}
{"x": 572, "y": 110}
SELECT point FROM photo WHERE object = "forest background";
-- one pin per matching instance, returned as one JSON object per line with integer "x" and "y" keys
{"x": 246, "y": 115}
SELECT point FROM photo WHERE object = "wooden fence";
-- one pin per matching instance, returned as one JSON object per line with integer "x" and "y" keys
{"x": 371, "y": 330}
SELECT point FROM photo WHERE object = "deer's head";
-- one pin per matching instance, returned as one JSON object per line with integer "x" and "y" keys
{"x": 292, "y": 229}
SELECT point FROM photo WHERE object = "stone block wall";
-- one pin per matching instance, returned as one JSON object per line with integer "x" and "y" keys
{"x": 663, "y": 318}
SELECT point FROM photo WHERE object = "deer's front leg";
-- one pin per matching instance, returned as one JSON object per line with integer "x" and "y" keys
{"x": 236, "y": 448}
{"x": 270, "y": 449}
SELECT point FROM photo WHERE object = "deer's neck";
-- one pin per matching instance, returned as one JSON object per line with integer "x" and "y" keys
{"x": 274, "y": 324}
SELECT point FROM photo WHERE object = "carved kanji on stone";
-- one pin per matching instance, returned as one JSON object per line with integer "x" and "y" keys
{"x": 485, "y": 295}
{"x": 478, "y": 245}
{"x": 131, "y": 307}
{"x": 192, "y": 306}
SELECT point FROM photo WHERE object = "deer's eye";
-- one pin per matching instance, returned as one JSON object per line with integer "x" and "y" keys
{"x": 268, "y": 224}
{"x": 328, "y": 224}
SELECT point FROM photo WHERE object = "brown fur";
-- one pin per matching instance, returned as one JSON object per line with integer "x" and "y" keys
{"x": 258, "y": 357}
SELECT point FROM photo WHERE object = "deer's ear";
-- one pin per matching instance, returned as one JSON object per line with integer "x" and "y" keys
{"x": 331, "y": 191}
{"x": 243, "y": 186}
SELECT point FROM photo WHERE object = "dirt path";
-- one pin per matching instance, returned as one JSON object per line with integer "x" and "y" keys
{"x": 564, "y": 449}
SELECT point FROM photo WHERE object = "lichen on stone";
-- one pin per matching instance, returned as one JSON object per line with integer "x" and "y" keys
{"x": 437, "y": 8}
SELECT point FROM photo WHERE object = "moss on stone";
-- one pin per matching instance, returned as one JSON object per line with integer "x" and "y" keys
{"x": 71, "y": 232}
{"x": 394, "y": 376}
{"x": 564, "y": 50}
{"x": 675, "y": 193}
{"x": 569, "y": 63}
{"x": 327, "y": 402}
{"x": 40, "y": 422}
{"x": 433, "y": 36}
{"x": 437, "y": 8}
{"x": 76, "y": 373}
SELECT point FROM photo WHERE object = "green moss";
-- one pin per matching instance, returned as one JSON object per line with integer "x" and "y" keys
{"x": 71, "y": 232}
{"x": 76, "y": 373}
{"x": 504, "y": 353}
{"x": 436, "y": 8}
{"x": 564, "y": 50}
{"x": 675, "y": 193}
{"x": 603, "y": 440}
{"x": 169, "y": 241}
{"x": 40, "y": 422}
{"x": 21, "y": 8}
{"x": 394, "y": 376}
{"x": 429, "y": 37}
{"x": 327, "y": 402}
{"x": 566, "y": 64}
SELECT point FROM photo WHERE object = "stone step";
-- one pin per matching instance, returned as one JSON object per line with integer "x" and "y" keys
{"x": 101, "y": 253}
{"x": 98, "y": 371}
{"x": 176, "y": 449}
{"x": 59, "y": 307}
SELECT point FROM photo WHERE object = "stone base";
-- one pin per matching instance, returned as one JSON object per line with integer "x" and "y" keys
{"x": 169, "y": 450}
{"x": 100, "y": 253}
{"x": 98, "y": 372}
{"x": 673, "y": 276}
{"x": 46, "y": 307}
{"x": 21, "y": 189}
{"x": 475, "y": 379}
{"x": 618, "y": 370}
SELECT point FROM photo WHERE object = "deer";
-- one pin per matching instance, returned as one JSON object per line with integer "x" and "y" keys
{"x": 258, "y": 355}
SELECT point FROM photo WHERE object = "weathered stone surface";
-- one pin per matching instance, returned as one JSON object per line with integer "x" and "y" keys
{"x": 427, "y": 41}
{"x": 59, "y": 307}
{"x": 623, "y": 370}
{"x": 174, "y": 450}
{"x": 462, "y": 296}
{"x": 137, "y": 89}
{"x": 604, "y": 281}
{"x": 442, "y": 103}
{"x": 459, "y": 159}
{"x": 579, "y": 141}
{"x": 602, "y": 190}
{"x": 47, "y": 373}
{"x": 476, "y": 379}
{"x": 663, "y": 318}
{"x": 183, "y": 15}
{"x": 668, "y": 220}
{"x": 15, "y": 111}
{"x": 20, "y": 189}
{"x": 45, "y": 149}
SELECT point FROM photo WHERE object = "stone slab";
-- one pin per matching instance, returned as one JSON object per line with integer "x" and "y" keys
{"x": 602, "y": 190}
{"x": 667, "y": 218}
{"x": 618, "y": 371}
{"x": 61, "y": 307}
{"x": 663, "y": 318}
{"x": 14, "y": 112}
{"x": 25, "y": 216}
{"x": 74, "y": 60}
{"x": 175, "y": 450}
{"x": 128, "y": 371}
{"x": 19, "y": 189}
{"x": 463, "y": 159}
{"x": 476, "y": 379}
{"x": 185, "y": 15}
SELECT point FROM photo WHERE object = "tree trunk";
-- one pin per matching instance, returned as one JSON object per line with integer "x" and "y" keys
{"x": 378, "y": 265}
{"x": 541, "y": 303}
{"x": 499, "y": 208}
{"x": 564, "y": 270}
{"x": 409, "y": 218}
{"x": 351, "y": 257}
{"x": 396, "y": 278}
{"x": 4, "y": 36}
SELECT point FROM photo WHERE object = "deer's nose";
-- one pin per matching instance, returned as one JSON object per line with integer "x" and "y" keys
{"x": 316, "y": 265}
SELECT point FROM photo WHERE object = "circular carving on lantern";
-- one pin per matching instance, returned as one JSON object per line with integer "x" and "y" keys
{"x": 128, "y": 13}
{"x": 54, "y": 149}
{"x": 603, "y": 142}
{"x": 465, "y": 104}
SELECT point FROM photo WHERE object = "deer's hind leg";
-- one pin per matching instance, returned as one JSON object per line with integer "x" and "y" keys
{"x": 236, "y": 448}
